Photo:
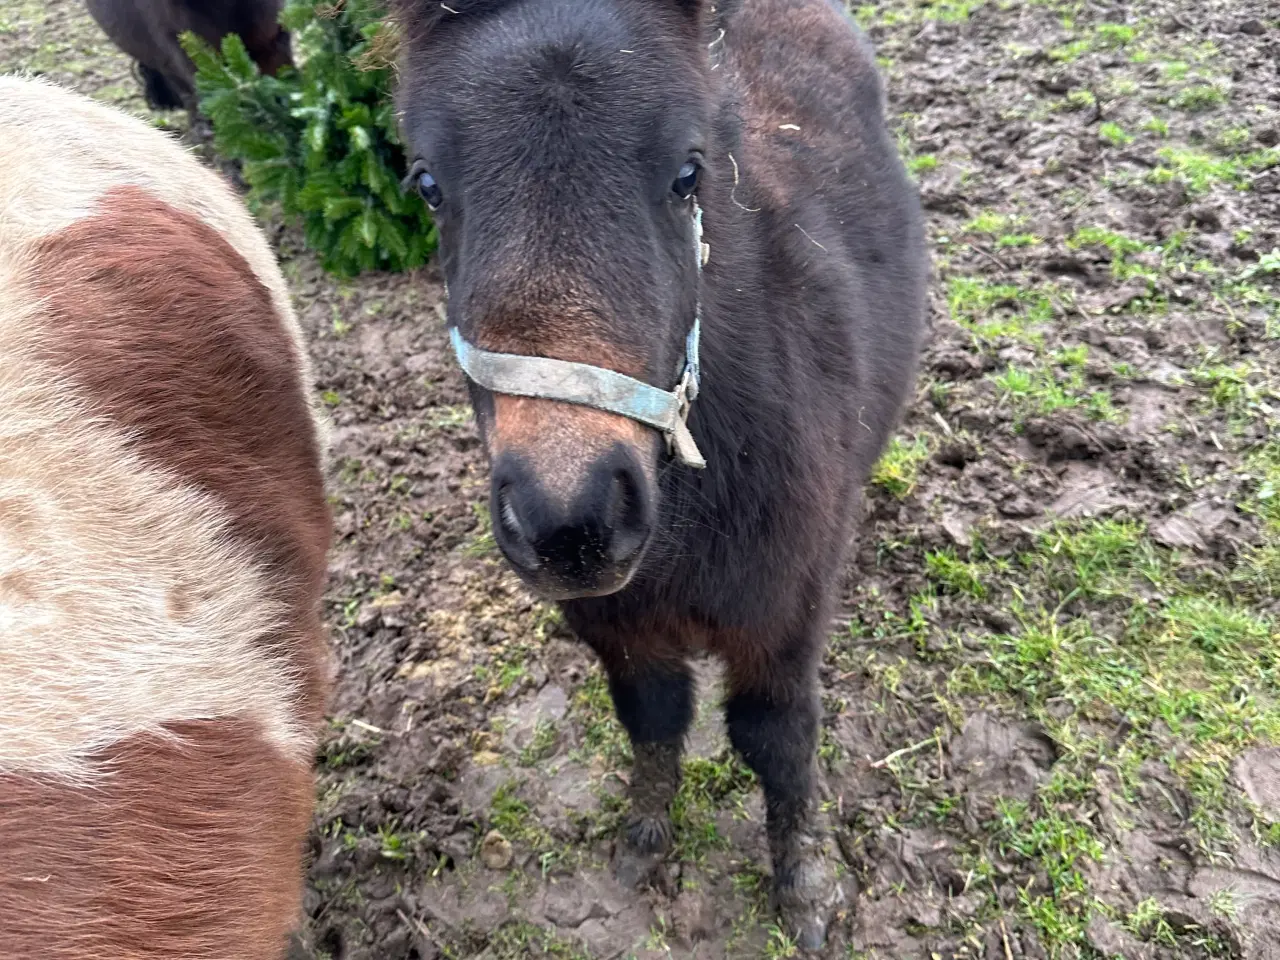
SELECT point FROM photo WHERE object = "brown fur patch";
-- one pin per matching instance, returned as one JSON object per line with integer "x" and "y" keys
{"x": 166, "y": 330}
{"x": 191, "y": 848}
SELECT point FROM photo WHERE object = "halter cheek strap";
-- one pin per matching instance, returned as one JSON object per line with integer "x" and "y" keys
{"x": 581, "y": 383}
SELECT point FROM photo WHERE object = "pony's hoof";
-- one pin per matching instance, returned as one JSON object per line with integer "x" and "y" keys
{"x": 809, "y": 932}
{"x": 806, "y": 900}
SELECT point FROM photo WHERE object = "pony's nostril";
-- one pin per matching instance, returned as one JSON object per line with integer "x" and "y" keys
{"x": 626, "y": 522}
{"x": 511, "y": 532}
{"x": 507, "y": 515}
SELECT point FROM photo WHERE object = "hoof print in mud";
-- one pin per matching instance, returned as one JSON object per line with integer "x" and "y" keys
{"x": 634, "y": 870}
{"x": 640, "y": 851}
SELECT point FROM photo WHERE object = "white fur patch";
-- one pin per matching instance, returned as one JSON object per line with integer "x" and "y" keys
{"x": 61, "y": 151}
{"x": 125, "y": 601}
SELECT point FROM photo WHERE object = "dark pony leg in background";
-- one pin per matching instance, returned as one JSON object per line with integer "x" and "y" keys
{"x": 772, "y": 712}
{"x": 157, "y": 89}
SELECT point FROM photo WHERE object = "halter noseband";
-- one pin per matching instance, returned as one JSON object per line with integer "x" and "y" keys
{"x": 589, "y": 386}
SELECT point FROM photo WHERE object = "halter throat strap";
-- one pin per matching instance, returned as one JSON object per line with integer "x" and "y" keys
{"x": 666, "y": 411}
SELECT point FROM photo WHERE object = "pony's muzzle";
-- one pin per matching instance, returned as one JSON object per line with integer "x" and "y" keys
{"x": 573, "y": 543}
{"x": 573, "y": 496}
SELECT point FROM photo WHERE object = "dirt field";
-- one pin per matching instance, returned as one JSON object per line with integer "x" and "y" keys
{"x": 1052, "y": 700}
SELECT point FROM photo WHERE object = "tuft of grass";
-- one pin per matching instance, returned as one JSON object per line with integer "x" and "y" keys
{"x": 1039, "y": 391}
{"x": 1114, "y": 134}
{"x": 988, "y": 222}
{"x": 1112, "y": 36}
{"x": 482, "y": 542}
{"x": 1199, "y": 98}
{"x": 899, "y": 466}
{"x": 522, "y": 940}
{"x": 990, "y": 310}
{"x": 541, "y": 746}
{"x": 1069, "y": 52}
{"x": 922, "y": 164}
{"x": 946, "y": 569}
{"x": 1233, "y": 140}
{"x": 949, "y": 11}
{"x": 602, "y": 734}
{"x": 710, "y": 786}
{"x": 1265, "y": 464}
{"x": 1201, "y": 172}
{"x": 1080, "y": 100}
{"x": 1239, "y": 390}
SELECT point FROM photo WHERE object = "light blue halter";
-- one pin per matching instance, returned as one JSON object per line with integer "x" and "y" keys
{"x": 581, "y": 383}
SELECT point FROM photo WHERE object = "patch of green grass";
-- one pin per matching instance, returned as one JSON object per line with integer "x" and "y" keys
{"x": 1114, "y": 134}
{"x": 1239, "y": 390}
{"x": 1018, "y": 240}
{"x": 514, "y": 819}
{"x": 1268, "y": 264}
{"x": 780, "y": 944}
{"x": 993, "y": 224}
{"x": 602, "y": 734}
{"x": 482, "y": 542}
{"x": 442, "y": 418}
{"x": 1233, "y": 140}
{"x": 1080, "y": 100}
{"x": 1059, "y": 845}
{"x": 1112, "y": 36}
{"x": 1119, "y": 244}
{"x": 1264, "y": 463}
{"x": 946, "y": 569}
{"x": 1039, "y": 391}
{"x": 898, "y": 468}
{"x": 950, "y": 11}
{"x": 1119, "y": 629}
{"x": 1147, "y": 922}
{"x": 1199, "y": 98}
{"x": 922, "y": 163}
{"x": 990, "y": 310}
{"x": 1157, "y": 125}
{"x": 1201, "y": 171}
{"x": 1102, "y": 559}
{"x": 710, "y": 786}
{"x": 507, "y": 668}
{"x": 541, "y": 746}
{"x": 1068, "y": 52}
{"x": 988, "y": 221}
{"x": 520, "y": 939}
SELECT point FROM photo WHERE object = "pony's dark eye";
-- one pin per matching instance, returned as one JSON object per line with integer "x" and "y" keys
{"x": 687, "y": 181}
{"x": 429, "y": 190}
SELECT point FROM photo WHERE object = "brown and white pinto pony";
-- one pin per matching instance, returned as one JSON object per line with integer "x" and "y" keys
{"x": 163, "y": 531}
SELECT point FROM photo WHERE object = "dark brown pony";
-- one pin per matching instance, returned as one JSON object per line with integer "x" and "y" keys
{"x": 148, "y": 31}
{"x": 567, "y": 146}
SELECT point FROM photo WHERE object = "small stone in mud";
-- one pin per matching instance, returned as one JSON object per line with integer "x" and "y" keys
{"x": 1253, "y": 27}
{"x": 495, "y": 851}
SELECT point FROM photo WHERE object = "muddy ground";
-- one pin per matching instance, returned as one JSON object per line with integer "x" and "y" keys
{"x": 1051, "y": 701}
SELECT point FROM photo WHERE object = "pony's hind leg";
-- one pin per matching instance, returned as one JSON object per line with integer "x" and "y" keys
{"x": 654, "y": 702}
{"x": 773, "y": 724}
